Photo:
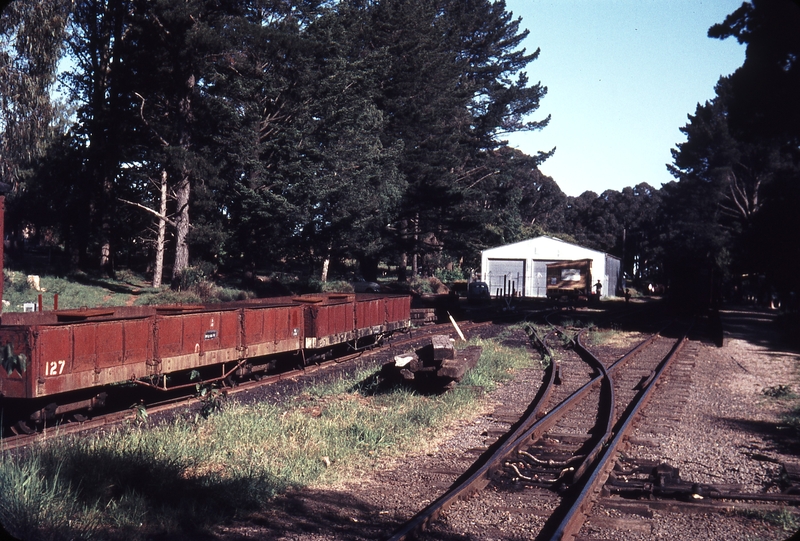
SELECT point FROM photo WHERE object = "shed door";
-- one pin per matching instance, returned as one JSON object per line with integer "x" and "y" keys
{"x": 540, "y": 278}
{"x": 506, "y": 276}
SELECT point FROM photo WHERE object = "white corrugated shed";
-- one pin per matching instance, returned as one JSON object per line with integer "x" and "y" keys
{"x": 520, "y": 268}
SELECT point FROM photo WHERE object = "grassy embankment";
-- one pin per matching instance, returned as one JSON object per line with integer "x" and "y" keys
{"x": 80, "y": 290}
{"x": 147, "y": 479}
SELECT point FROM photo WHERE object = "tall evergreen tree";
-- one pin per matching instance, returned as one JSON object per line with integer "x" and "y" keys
{"x": 510, "y": 201}
{"x": 263, "y": 129}
{"x": 709, "y": 212}
{"x": 181, "y": 72}
{"x": 454, "y": 86}
{"x": 763, "y": 111}
{"x": 352, "y": 189}
{"x": 97, "y": 31}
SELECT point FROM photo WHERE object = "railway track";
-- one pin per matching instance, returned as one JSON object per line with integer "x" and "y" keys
{"x": 639, "y": 487}
{"x": 536, "y": 486}
{"x": 73, "y": 425}
{"x": 570, "y": 464}
{"x": 560, "y": 448}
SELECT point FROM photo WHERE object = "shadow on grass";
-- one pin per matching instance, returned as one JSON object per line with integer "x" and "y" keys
{"x": 111, "y": 285}
{"x": 143, "y": 497}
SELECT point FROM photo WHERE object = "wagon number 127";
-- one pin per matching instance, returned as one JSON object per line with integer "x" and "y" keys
{"x": 54, "y": 368}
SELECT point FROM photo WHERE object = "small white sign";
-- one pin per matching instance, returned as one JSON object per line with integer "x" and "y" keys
{"x": 571, "y": 275}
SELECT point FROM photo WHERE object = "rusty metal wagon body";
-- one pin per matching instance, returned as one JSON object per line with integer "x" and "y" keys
{"x": 68, "y": 359}
{"x": 49, "y": 353}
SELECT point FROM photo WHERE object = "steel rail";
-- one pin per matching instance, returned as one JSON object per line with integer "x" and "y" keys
{"x": 478, "y": 475}
{"x": 606, "y": 408}
{"x": 572, "y": 521}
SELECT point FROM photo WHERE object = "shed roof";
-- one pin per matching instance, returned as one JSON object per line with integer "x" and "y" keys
{"x": 543, "y": 247}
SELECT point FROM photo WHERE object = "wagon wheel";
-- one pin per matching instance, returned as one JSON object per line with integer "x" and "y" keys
{"x": 21, "y": 427}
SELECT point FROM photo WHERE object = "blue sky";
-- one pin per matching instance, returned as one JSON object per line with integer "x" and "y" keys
{"x": 622, "y": 76}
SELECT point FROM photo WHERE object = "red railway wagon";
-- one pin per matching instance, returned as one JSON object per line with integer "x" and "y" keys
{"x": 52, "y": 353}
{"x": 48, "y": 353}
{"x": 335, "y": 318}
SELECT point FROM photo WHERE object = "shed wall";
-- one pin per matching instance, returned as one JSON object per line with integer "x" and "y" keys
{"x": 502, "y": 264}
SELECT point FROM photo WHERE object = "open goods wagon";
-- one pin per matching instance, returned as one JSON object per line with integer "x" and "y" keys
{"x": 50, "y": 357}
{"x": 59, "y": 361}
{"x": 571, "y": 279}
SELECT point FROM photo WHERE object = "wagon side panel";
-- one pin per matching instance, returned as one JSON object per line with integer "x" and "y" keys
{"x": 330, "y": 324}
{"x": 370, "y": 317}
{"x": 53, "y": 363}
{"x": 138, "y": 351}
{"x": 270, "y": 330}
{"x": 398, "y": 312}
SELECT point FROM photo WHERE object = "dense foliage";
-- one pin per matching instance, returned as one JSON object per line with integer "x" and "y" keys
{"x": 731, "y": 219}
{"x": 260, "y": 134}
{"x": 256, "y": 135}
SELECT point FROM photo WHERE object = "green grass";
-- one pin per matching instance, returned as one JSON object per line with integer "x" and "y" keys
{"x": 144, "y": 479}
{"x": 40, "y": 501}
{"x": 81, "y": 290}
{"x": 71, "y": 293}
{"x": 784, "y": 519}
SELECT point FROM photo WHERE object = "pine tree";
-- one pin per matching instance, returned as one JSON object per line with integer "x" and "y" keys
{"x": 763, "y": 111}
{"x": 454, "y": 86}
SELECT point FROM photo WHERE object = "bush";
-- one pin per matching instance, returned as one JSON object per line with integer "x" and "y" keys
{"x": 337, "y": 286}
{"x": 169, "y": 296}
{"x": 421, "y": 286}
{"x": 428, "y": 286}
{"x": 196, "y": 274}
{"x": 449, "y": 276}
{"x": 228, "y": 294}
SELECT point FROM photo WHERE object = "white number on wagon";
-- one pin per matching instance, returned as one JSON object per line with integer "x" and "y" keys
{"x": 54, "y": 368}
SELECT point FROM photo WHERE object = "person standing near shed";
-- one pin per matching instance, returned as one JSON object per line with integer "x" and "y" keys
{"x": 598, "y": 288}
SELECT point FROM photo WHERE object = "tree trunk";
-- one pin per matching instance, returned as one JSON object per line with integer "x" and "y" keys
{"x": 183, "y": 188}
{"x": 325, "y": 264}
{"x": 181, "y": 230}
{"x": 402, "y": 269}
{"x": 414, "y": 264}
{"x": 158, "y": 272}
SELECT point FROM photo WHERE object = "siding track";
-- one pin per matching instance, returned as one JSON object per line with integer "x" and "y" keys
{"x": 561, "y": 447}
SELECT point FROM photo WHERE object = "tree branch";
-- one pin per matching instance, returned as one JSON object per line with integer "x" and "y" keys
{"x": 148, "y": 209}
{"x": 146, "y": 123}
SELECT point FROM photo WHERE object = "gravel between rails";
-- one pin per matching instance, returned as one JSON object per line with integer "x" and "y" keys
{"x": 726, "y": 429}
{"x": 729, "y": 431}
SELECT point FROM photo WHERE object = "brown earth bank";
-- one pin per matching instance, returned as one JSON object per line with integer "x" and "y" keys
{"x": 732, "y": 430}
